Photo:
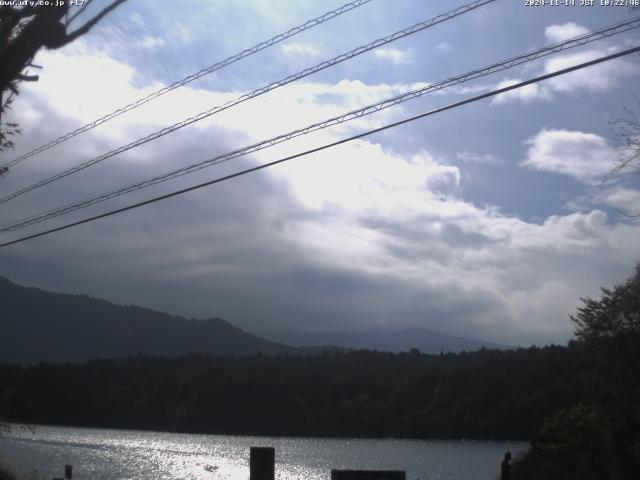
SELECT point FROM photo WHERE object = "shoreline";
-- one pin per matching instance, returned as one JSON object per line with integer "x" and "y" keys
{"x": 263, "y": 436}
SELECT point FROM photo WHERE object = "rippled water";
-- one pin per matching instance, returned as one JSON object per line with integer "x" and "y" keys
{"x": 125, "y": 454}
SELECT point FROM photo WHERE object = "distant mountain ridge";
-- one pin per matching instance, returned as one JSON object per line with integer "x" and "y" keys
{"x": 390, "y": 340}
{"x": 37, "y": 326}
{"x": 40, "y": 326}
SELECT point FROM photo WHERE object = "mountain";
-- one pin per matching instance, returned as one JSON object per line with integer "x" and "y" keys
{"x": 37, "y": 326}
{"x": 390, "y": 340}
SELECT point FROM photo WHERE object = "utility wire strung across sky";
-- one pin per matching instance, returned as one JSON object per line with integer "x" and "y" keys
{"x": 330, "y": 145}
{"x": 260, "y": 91}
{"x": 205, "y": 71}
{"x": 354, "y": 114}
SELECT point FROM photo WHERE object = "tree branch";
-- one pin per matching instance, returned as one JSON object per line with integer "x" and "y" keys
{"x": 79, "y": 12}
{"x": 28, "y": 78}
{"x": 87, "y": 26}
{"x": 13, "y": 17}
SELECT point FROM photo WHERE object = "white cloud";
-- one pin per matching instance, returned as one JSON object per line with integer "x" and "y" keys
{"x": 392, "y": 55}
{"x": 584, "y": 156}
{"x": 594, "y": 79}
{"x": 306, "y": 102}
{"x": 526, "y": 94}
{"x": 151, "y": 42}
{"x": 136, "y": 19}
{"x": 100, "y": 84}
{"x": 180, "y": 33}
{"x": 597, "y": 78}
{"x": 530, "y": 274}
{"x": 558, "y": 33}
{"x": 624, "y": 199}
{"x": 465, "y": 90}
{"x": 473, "y": 157}
{"x": 580, "y": 230}
{"x": 444, "y": 47}
{"x": 363, "y": 179}
{"x": 300, "y": 49}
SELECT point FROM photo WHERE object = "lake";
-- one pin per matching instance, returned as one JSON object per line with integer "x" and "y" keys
{"x": 127, "y": 454}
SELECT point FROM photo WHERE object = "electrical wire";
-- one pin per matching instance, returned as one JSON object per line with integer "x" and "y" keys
{"x": 580, "y": 40}
{"x": 330, "y": 145}
{"x": 205, "y": 71}
{"x": 260, "y": 91}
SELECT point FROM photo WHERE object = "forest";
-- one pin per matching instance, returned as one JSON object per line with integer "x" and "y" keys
{"x": 483, "y": 394}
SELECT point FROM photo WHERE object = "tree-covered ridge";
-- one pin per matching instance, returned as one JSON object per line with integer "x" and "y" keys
{"x": 484, "y": 394}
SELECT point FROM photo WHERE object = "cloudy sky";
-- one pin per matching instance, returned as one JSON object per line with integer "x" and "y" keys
{"x": 487, "y": 221}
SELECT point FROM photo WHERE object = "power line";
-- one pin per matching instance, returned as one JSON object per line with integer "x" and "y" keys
{"x": 260, "y": 91}
{"x": 205, "y": 71}
{"x": 330, "y": 145}
{"x": 358, "y": 113}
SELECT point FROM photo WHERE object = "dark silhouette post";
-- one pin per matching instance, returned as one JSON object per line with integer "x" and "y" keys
{"x": 262, "y": 462}
{"x": 505, "y": 467}
{"x": 368, "y": 475}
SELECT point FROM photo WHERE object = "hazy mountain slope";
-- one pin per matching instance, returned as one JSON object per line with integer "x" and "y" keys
{"x": 40, "y": 326}
{"x": 36, "y": 325}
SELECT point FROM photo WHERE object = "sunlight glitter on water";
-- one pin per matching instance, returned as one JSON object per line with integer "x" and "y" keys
{"x": 100, "y": 454}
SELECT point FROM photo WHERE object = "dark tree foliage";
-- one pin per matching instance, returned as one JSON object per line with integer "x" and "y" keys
{"x": 609, "y": 329}
{"x": 598, "y": 438}
{"x": 484, "y": 394}
{"x": 626, "y": 131}
{"x": 24, "y": 30}
{"x": 8, "y": 131}
{"x": 626, "y": 134}
{"x": 6, "y": 474}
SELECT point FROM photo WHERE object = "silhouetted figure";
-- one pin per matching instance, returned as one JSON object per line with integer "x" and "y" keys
{"x": 505, "y": 467}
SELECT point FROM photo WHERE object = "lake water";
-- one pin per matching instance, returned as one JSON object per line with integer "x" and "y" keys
{"x": 126, "y": 454}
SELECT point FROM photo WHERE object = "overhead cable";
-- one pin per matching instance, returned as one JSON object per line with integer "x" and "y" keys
{"x": 354, "y": 114}
{"x": 205, "y": 71}
{"x": 260, "y": 91}
{"x": 330, "y": 145}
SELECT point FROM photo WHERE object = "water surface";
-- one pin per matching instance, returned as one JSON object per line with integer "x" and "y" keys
{"x": 42, "y": 452}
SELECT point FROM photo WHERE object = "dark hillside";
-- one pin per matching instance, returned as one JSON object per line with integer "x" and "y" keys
{"x": 43, "y": 326}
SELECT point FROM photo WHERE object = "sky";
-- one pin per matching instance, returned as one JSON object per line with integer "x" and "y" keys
{"x": 487, "y": 221}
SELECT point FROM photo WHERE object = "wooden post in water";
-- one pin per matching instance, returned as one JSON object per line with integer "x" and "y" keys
{"x": 262, "y": 463}
{"x": 368, "y": 475}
